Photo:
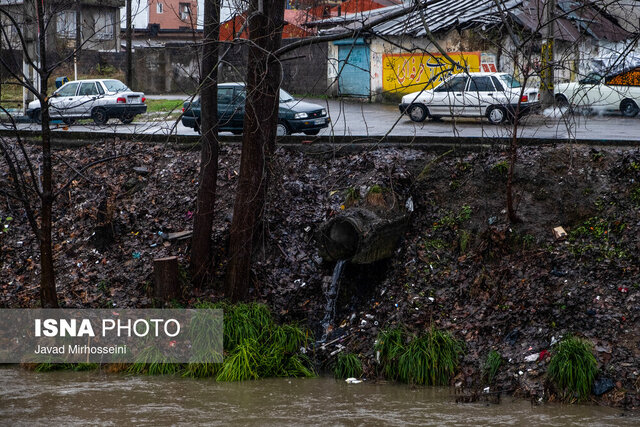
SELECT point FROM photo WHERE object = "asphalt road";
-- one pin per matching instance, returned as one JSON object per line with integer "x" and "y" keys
{"x": 353, "y": 118}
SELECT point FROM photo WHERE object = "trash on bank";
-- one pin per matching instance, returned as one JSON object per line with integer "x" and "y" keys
{"x": 559, "y": 233}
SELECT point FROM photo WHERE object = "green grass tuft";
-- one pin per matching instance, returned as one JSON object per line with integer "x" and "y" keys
{"x": 431, "y": 359}
{"x": 491, "y": 366}
{"x": 242, "y": 363}
{"x": 390, "y": 345}
{"x": 347, "y": 365}
{"x": 256, "y": 347}
{"x": 573, "y": 367}
{"x": 151, "y": 361}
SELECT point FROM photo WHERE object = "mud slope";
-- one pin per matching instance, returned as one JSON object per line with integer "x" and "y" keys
{"x": 460, "y": 266}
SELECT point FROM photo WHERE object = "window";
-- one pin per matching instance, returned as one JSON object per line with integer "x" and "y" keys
{"x": 510, "y": 81}
{"x": 115, "y": 86}
{"x": 88, "y": 89}
{"x": 481, "y": 84}
{"x": 240, "y": 95}
{"x": 158, "y": 7}
{"x": 496, "y": 82}
{"x": 185, "y": 11}
{"x": 225, "y": 95}
{"x": 456, "y": 84}
{"x": 66, "y": 24}
{"x": 285, "y": 97}
{"x": 591, "y": 79}
{"x": 104, "y": 24}
{"x": 68, "y": 90}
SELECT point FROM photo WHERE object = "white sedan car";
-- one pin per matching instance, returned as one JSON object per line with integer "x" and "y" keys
{"x": 496, "y": 96}
{"x": 99, "y": 100}
{"x": 600, "y": 94}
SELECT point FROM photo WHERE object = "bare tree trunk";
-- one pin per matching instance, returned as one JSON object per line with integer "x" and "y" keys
{"x": 128, "y": 37}
{"x": 48, "y": 297}
{"x": 203, "y": 219}
{"x": 258, "y": 142}
{"x": 513, "y": 156}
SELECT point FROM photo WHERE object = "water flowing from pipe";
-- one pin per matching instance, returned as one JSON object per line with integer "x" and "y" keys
{"x": 332, "y": 295}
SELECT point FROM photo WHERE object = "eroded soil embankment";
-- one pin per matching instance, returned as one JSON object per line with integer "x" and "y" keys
{"x": 460, "y": 266}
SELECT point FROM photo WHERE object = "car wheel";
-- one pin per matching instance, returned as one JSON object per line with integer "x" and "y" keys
{"x": 196, "y": 127}
{"x": 629, "y": 108}
{"x": 69, "y": 121}
{"x": 99, "y": 116}
{"x": 562, "y": 101}
{"x": 312, "y": 132}
{"x": 496, "y": 115}
{"x": 37, "y": 116}
{"x": 282, "y": 129}
{"x": 417, "y": 112}
{"x": 127, "y": 118}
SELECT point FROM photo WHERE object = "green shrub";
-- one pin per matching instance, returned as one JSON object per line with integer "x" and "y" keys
{"x": 347, "y": 365}
{"x": 491, "y": 366}
{"x": 242, "y": 363}
{"x": 152, "y": 361}
{"x": 501, "y": 168}
{"x": 390, "y": 344}
{"x": 573, "y": 367}
{"x": 431, "y": 359}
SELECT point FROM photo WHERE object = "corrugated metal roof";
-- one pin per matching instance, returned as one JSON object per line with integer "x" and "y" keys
{"x": 444, "y": 14}
{"x": 574, "y": 18}
{"x": 438, "y": 14}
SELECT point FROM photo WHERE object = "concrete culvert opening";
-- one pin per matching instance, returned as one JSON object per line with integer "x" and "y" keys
{"x": 360, "y": 236}
{"x": 343, "y": 239}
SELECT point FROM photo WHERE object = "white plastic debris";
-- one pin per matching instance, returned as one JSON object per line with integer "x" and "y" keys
{"x": 353, "y": 381}
{"x": 409, "y": 204}
{"x": 486, "y": 390}
{"x": 532, "y": 357}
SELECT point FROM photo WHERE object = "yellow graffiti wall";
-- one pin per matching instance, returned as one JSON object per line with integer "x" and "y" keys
{"x": 405, "y": 72}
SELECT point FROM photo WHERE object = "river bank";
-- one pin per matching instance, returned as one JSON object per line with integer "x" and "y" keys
{"x": 461, "y": 267}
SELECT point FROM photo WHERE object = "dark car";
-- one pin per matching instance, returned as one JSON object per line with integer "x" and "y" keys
{"x": 294, "y": 116}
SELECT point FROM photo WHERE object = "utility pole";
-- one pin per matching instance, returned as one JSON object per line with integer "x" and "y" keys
{"x": 30, "y": 49}
{"x": 128, "y": 35}
{"x": 78, "y": 39}
{"x": 547, "y": 60}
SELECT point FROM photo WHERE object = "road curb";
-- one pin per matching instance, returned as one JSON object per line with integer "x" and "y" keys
{"x": 315, "y": 144}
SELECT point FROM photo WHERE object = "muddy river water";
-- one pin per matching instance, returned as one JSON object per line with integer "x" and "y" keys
{"x": 82, "y": 398}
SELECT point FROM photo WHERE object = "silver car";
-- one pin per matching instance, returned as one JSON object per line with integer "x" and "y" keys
{"x": 496, "y": 96}
{"x": 98, "y": 99}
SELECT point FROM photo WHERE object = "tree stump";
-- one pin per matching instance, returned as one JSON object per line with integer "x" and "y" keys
{"x": 167, "y": 285}
{"x": 104, "y": 233}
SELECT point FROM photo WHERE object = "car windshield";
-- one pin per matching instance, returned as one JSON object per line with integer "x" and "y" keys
{"x": 115, "y": 86}
{"x": 510, "y": 81}
{"x": 592, "y": 78}
{"x": 285, "y": 97}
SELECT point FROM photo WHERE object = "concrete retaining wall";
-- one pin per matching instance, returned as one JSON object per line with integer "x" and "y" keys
{"x": 175, "y": 68}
